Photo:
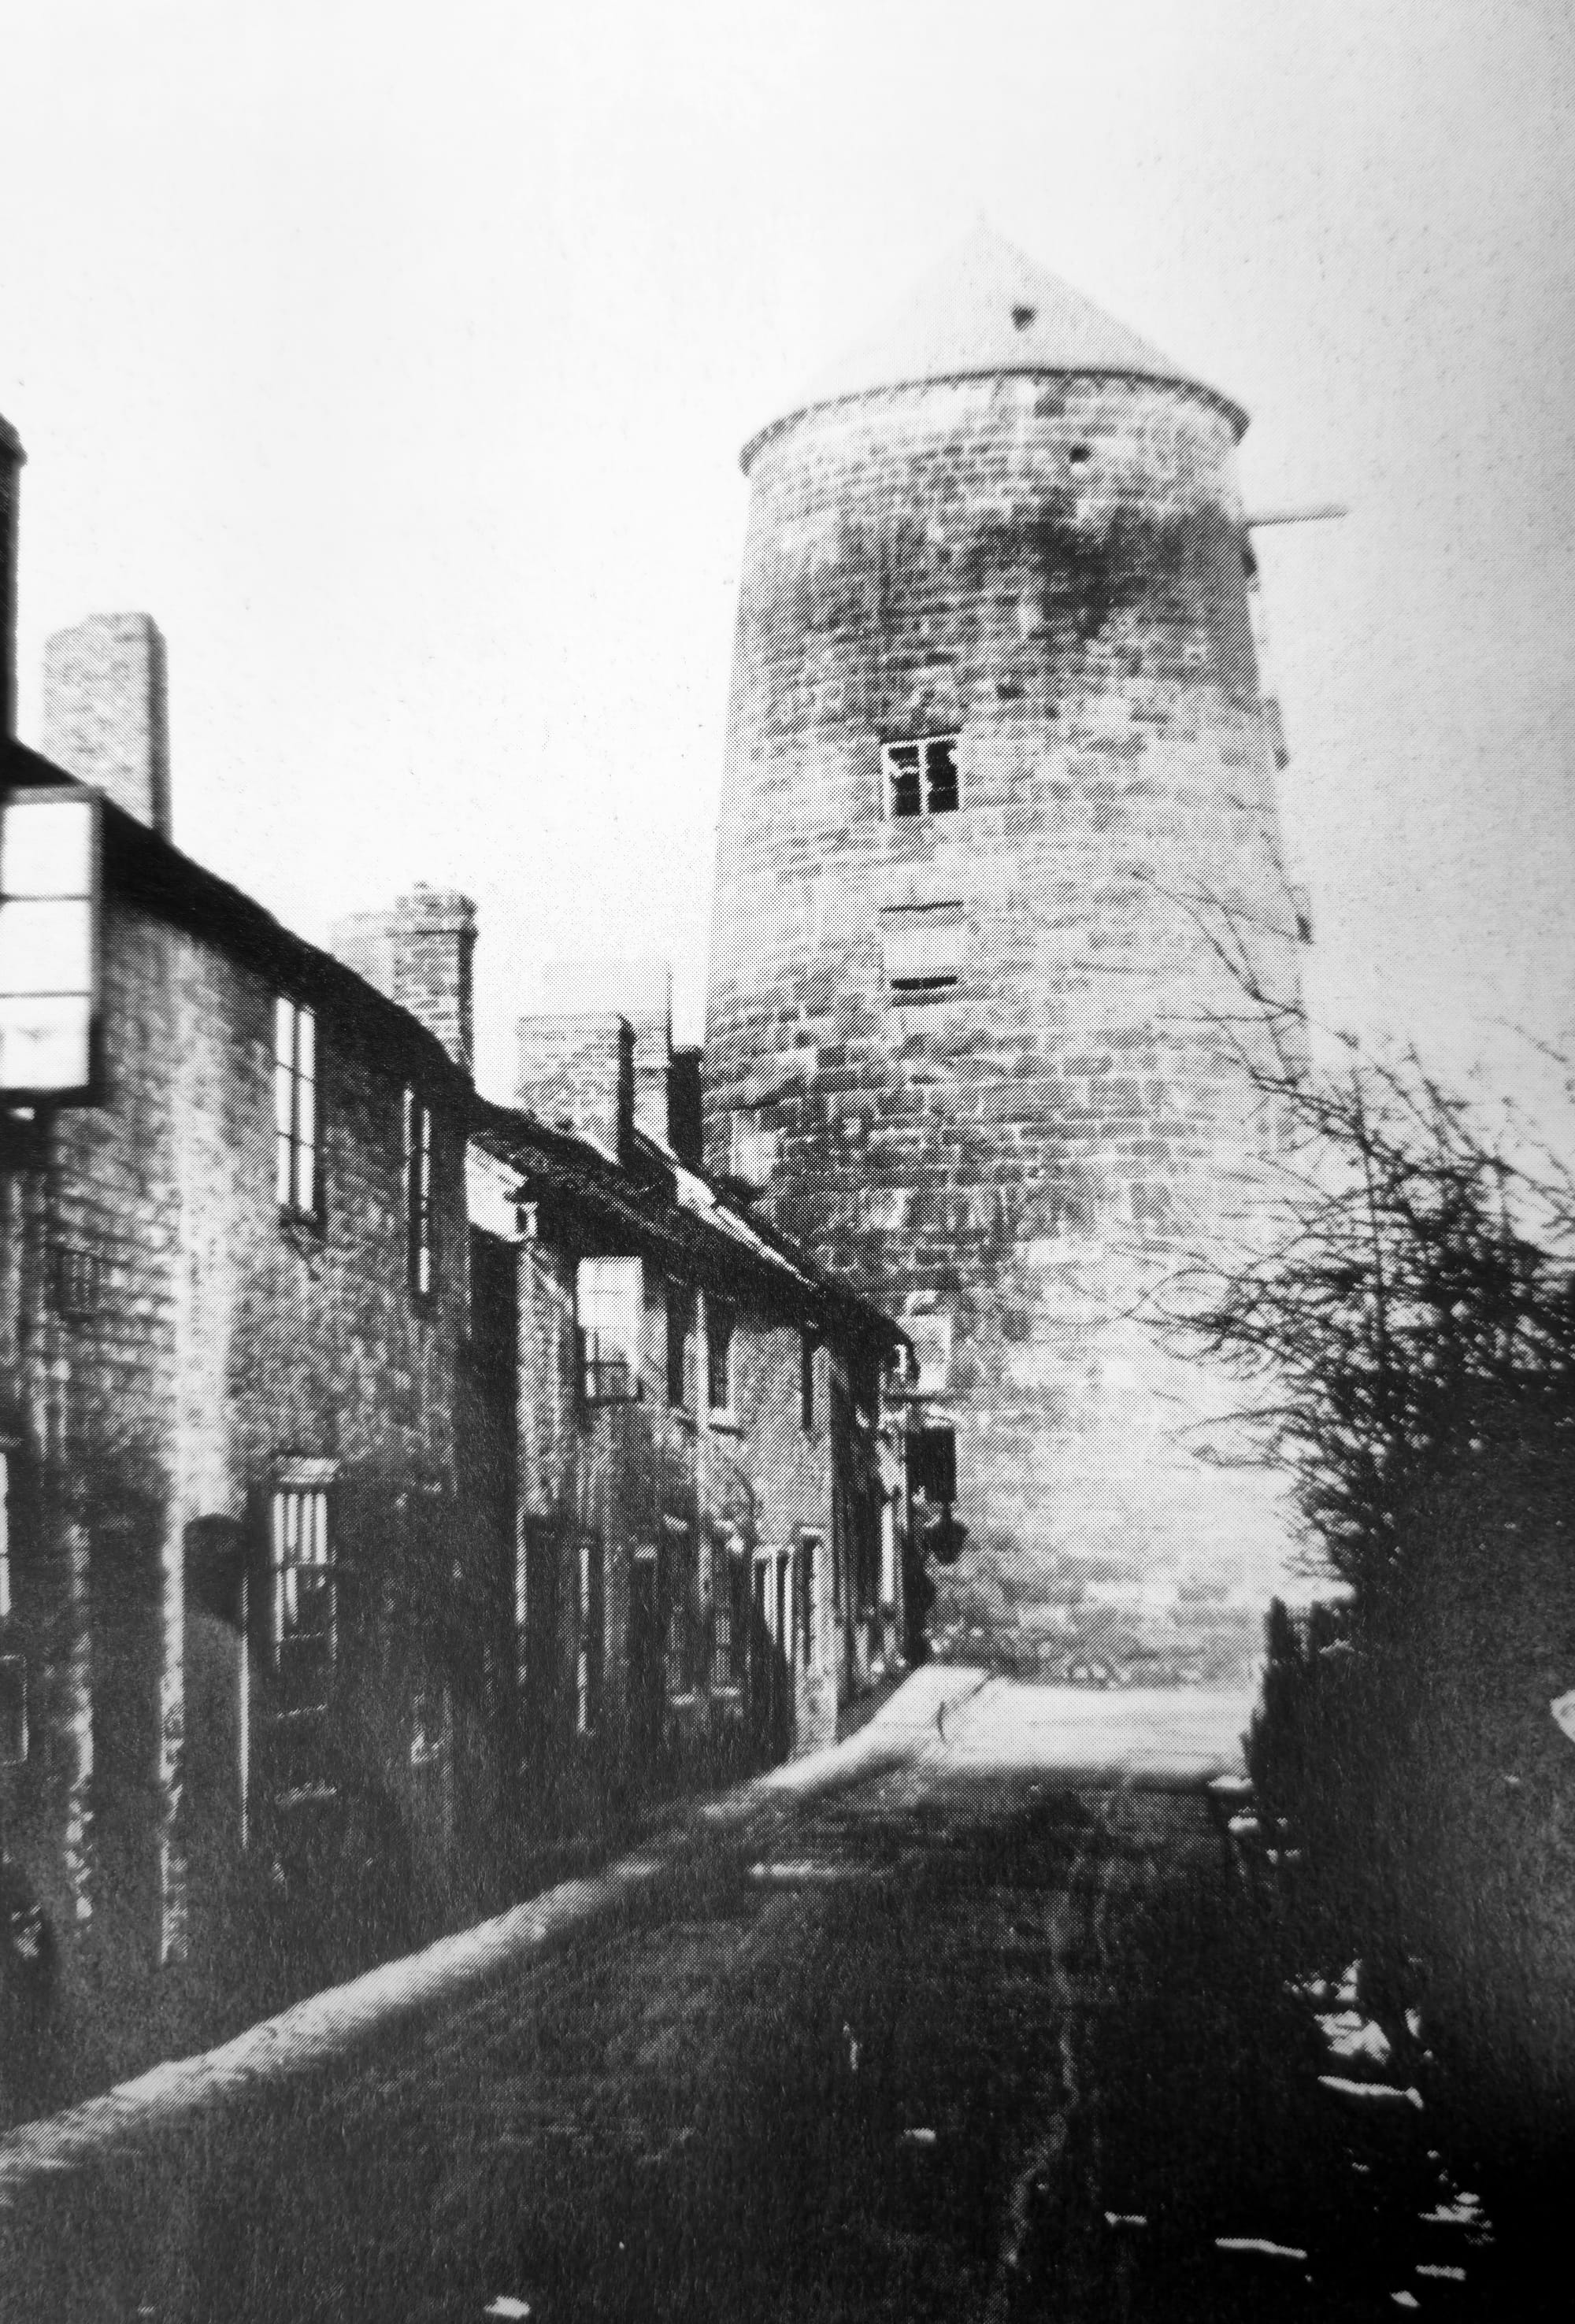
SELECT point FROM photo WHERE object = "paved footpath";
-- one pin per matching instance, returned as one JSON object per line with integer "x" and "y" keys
{"x": 970, "y": 2018}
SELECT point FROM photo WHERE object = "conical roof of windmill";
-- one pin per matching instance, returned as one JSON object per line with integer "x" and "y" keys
{"x": 989, "y": 309}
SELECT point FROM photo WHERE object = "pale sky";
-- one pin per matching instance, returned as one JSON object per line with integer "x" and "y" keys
{"x": 397, "y": 359}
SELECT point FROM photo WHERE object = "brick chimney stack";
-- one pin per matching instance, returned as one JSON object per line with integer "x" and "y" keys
{"x": 106, "y": 715}
{"x": 12, "y": 457}
{"x": 420, "y": 954}
{"x": 641, "y": 993}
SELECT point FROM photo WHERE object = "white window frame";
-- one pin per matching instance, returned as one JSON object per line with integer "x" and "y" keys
{"x": 50, "y": 915}
{"x": 297, "y": 1110}
{"x": 609, "y": 1304}
{"x": 418, "y": 1195}
{"x": 894, "y": 772}
{"x": 300, "y": 1544}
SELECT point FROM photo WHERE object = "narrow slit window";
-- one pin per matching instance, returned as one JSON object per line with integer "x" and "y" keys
{"x": 919, "y": 776}
{"x": 807, "y": 1382}
{"x": 679, "y": 1332}
{"x": 923, "y": 948}
{"x": 297, "y": 1178}
{"x": 418, "y": 1195}
{"x": 720, "y": 1329}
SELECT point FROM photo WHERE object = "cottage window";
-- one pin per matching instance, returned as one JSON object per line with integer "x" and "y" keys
{"x": 591, "y": 1630}
{"x": 919, "y": 777}
{"x": 719, "y": 1327}
{"x": 811, "y": 1564}
{"x": 302, "y": 1609}
{"x": 609, "y": 1298}
{"x": 730, "y": 1623}
{"x": 418, "y": 1194}
{"x": 295, "y": 1109}
{"x": 49, "y": 914}
{"x": 680, "y": 1330}
{"x": 923, "y": 947}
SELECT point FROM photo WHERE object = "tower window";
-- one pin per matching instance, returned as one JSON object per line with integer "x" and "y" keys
{"x": 922, "y": 944}
{"x": 919, "y": 777}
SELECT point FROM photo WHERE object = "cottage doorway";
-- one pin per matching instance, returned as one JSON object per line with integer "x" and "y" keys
{"x": 645, "y": 1658}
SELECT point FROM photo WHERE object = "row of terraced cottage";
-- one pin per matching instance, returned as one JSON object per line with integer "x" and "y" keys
{"x": 388, "y": 1473}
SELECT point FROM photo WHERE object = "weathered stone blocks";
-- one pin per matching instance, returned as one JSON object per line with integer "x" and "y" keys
{"x": 1053, "y": 569}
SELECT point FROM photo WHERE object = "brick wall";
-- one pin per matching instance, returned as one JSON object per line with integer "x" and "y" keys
{"x": 421, "y": 954}
{"x": 205, "y": 1339}
{"x": 576, "y": 1072}
{"x": 1053, "y": 568}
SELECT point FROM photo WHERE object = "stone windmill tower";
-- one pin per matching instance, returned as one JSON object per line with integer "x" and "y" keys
{"x": 1000, "y": 771}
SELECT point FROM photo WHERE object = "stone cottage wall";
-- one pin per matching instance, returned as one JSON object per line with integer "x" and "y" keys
{"x": 168, "y": 1339}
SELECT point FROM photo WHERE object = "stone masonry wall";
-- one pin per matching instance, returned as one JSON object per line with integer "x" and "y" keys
{"x": 172, "y": 1338}
{"x": 707, "y": 1494}
{"x": 1053, "y": 569}
{"x": 106, "y": 711}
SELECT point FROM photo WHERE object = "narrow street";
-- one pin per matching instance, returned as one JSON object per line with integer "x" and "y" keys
{"x": 988, "y": 2029}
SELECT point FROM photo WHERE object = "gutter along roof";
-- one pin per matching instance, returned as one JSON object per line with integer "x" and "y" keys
{"x": 149, "y": 870}
{"x": 660, "y": 1205}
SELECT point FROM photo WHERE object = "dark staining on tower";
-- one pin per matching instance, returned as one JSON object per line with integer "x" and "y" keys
{"x": 996, "y": 756}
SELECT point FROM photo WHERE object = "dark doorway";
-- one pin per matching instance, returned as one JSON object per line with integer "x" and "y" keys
{"x": 645, "y": 1662}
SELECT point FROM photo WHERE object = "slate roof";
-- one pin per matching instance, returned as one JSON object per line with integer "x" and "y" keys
{"x": 151, "y": 872}
{"x": 656, "y": 1204}
{"x": 989, "y": 309}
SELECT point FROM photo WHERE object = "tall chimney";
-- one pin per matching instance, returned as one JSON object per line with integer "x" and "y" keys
{"x": 105, "y": 714}
{"x": 576, "y": 1071}
{"x": 641, "y": 993}
{"x": 12, "y": 456}
{"x": 420, "y": 954}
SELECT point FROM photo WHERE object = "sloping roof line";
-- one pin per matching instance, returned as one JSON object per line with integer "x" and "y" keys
{"x": 988, "y": 309}
{"x": 152, "y": 872}
{"x": 662, "y": 1202}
